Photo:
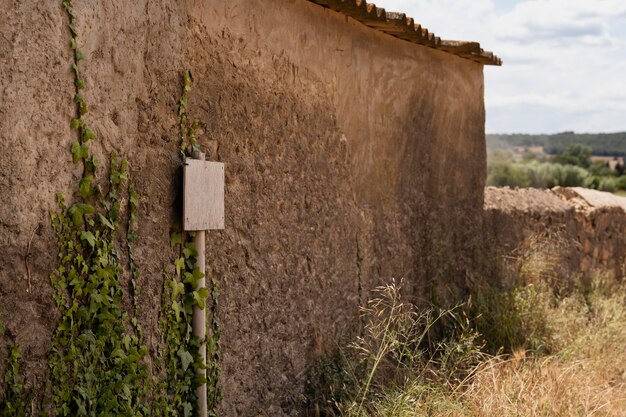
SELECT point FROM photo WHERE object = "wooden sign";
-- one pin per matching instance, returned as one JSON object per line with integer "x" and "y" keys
{"x": 203, "y": 199}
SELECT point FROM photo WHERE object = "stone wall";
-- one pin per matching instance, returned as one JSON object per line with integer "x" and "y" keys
{"x": 352, "y": 157}
{"x": 587, "y": 227}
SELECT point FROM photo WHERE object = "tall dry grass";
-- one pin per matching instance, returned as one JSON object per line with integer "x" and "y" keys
{"x": 585, "y": 377}
{"x": 565, "y": 353}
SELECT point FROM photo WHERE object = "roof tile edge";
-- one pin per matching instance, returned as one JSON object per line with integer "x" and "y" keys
{"x": 403, "y": 27}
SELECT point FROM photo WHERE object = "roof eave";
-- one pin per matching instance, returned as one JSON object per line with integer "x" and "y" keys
{"x": 403, "y": 27}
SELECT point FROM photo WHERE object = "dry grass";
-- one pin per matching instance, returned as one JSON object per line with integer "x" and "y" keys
{"x": 586, "y": 377}
{"x": 570, "y": 359}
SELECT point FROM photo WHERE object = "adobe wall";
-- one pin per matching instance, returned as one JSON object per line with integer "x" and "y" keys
{"x": 332, "y": 134}
{"x": 588, "y": 228}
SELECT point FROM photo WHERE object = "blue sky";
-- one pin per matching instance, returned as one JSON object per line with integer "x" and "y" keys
{"x": 505, "y": 5}
{"x": 564, "y": 60}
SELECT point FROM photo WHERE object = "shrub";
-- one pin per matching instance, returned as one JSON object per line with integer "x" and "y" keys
{"x": 503, "y": 173}
{"x": 601, "y": 169}
{"x": 575, "y": 154}
{"x": 592, "y": 182}
{"x": 531, "y": 173}
{"x": 607, "y": 184}
{"x": 571, "y": 176}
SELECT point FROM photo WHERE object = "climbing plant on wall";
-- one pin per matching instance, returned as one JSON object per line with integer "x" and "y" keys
{"x": 96, "y": 361}
{"x": 180, "y": 295}
{"x": 14, "y": 401}
{"x": 181, "y": 356}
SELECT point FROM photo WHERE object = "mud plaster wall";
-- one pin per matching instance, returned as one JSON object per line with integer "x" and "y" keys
{"x": 332, "y": 133}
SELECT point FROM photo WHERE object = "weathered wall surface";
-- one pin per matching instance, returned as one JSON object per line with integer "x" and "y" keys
{"x": 588, "y": 226}
{"x": 332, "y": 134}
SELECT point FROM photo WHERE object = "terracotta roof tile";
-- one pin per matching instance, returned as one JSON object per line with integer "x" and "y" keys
{"x": 403, "y": 27}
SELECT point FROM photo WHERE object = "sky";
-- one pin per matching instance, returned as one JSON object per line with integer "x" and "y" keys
{"x": 564, "y": 60}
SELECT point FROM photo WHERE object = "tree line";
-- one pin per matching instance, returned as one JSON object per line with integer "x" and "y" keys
{"x": 602, "y": 144}
{"x": 571, "y": 168}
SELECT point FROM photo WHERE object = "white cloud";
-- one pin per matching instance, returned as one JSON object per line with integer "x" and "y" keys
{"x": 564, "y": 60}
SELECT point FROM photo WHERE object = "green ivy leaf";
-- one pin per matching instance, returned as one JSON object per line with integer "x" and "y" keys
{"x": 179, "y": 263}
{"x": 83, "y": 110}
{"x": 178, "y": 288}
{"x": 199, "y": 297}
{"x": 134, "y": 198}
{"x": 187, "y": 409}
{"x": 79, "y": 55}
{"x": 185, "y": 358}
{"x": 193, "y": 277}
{"x": 119, "y": 353}
{"x": 105, "y": 222}
{"x": 190, "y": 251}
{"x": 90, "y": 167}
{"x": 89, "y": 238}
{"x": 176, "y": 309}
{"x": 85, "y": 186}
{"x": 104, "y": 274}
{"x": 78, "y": 210}
{"x": 79, "y": 83}
{"x": 203, "y": 292}
{"x": 126, "y": 392}
{"x": 89, "y": 336}
{"x": 88, "y": 134}
{"x": 186, "y": 81}
{"x": 79, "y": 152}
{"x": 76, "y": 123}
{"x": 176, "y": 239}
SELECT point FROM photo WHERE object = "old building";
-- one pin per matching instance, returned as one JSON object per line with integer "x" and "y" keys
{"x": 354, "y": 147}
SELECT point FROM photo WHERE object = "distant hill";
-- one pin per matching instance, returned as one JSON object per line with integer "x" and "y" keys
{"x": 609, "y": 144}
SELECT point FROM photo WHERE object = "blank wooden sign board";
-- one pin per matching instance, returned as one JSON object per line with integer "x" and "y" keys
{"x": 203, "y": 200}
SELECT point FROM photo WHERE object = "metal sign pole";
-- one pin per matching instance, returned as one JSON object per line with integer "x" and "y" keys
{"x": 199, "y": 315}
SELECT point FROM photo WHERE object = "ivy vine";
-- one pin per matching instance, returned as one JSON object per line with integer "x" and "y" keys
{"x": 213, "y": 352}
{"x": 188, "y": 139}
{"x": 180, "y": 295}
{"x": 181, "y": 357}
{"x": 15, "y": 399}
{"x": 189, "y": 144}
{"x": 97, "y": 365}
{"x": 131, "y": 238}
{"x": 97, "y": 359}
